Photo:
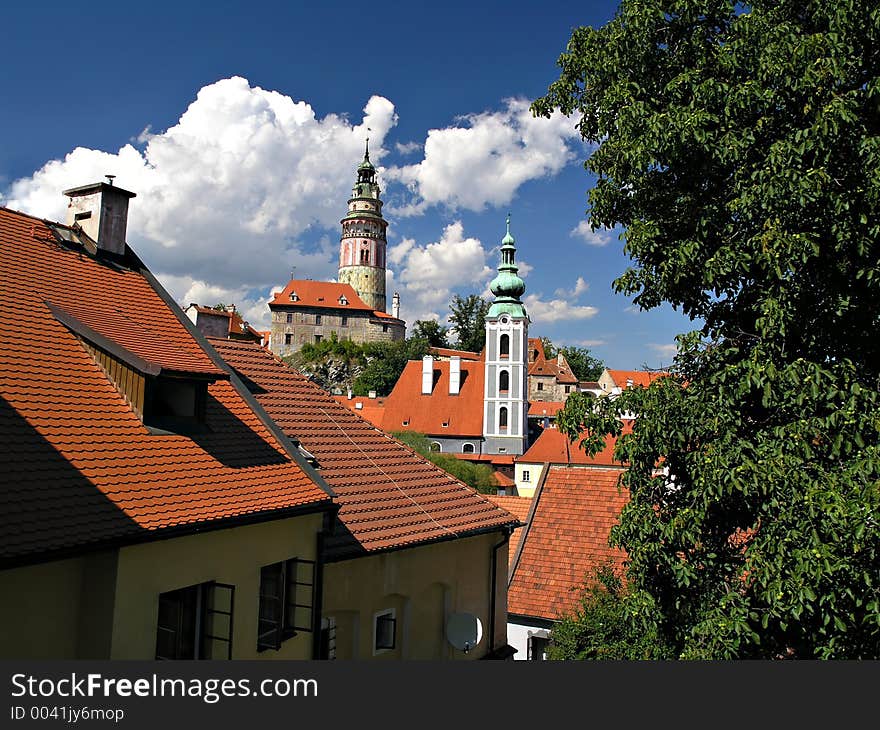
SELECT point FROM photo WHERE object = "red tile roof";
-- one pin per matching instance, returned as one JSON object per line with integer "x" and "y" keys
{"x": 519, "y": 507}
{"x": 539, "y": 409}
{"x": 565, "y": 540}
{"x": 389, "y": 496}
{"x": 638, "y": 377}
{"x": 79, "y": 467}
{"x": 323, "y": 294}
{"x": 463, "y": 354}
{"x": 407, "y": 409}
{"x": 373, "y": 409}
{"x": 556, "y": 367}
{"x": 554, "y": 447}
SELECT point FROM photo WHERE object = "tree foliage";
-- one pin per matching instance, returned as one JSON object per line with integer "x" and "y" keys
{"x": 432, "y": 331}
{"x": 331, "y": 363}
{"x": 739, "y": 149}
{"x": 582, "y": 363}
{"x": 468, "y": 318}
{"x": 478, "y": 476}
{"x": 385, "y": 362}
{"x": 601, "y": 627}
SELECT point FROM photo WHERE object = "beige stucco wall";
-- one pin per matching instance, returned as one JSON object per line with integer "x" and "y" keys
{"x": 424, "y": 585}
{"x": 105, "y": 605}
{"x": 360, "y": 327}
{"x": 227, "y": 556}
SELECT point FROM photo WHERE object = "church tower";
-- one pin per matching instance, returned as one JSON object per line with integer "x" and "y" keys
{"x": 505, "y": 401}
{"x": 362, "y": 246}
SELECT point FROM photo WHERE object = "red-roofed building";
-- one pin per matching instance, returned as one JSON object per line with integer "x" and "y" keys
{"x": 149, "y": 508}
{"x": 549, "y": 379}
{"x": 410, "y": 541}
{"x": 613, "y": 382}
{"x": 564, "y": 541}
{"x": 310, "y": 311}
{"x": 226, "y": 322}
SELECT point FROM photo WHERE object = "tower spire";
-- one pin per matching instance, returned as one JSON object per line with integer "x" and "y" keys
{"x": 508, "y": 287}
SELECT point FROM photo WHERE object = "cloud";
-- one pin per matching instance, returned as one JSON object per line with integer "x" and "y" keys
{"x": 600, "y": 237}
{"x": 580, "y": 286}
{"x": 664, "y": 350}
{"x": 429, "y": 274}
{"x": 588, "y": 343}
{"x": 486, "y": 159}
{"x": 554, "y": 310}
{"x": 227, "y": 197}
{"x": 407, "y": 148}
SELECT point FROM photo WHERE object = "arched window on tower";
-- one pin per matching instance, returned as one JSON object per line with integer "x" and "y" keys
{"x": 365, "y": 257}
{"x": 502, "y": 418}
{"x": 504, "y": 346}
{"x": 503, "y": 381}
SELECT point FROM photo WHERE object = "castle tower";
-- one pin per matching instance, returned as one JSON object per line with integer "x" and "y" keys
{"x": 362, "y": 246}
{"x": 505, "y": 401}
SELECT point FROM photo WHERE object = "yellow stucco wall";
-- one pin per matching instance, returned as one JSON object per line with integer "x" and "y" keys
{"x": 227, "y": 556}
{"x": 423, "y": 585}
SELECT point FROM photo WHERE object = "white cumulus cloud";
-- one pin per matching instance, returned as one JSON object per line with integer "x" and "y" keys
{"x": 555, "y": 310}
{"x": 225, "y": 195}
{"x": 600, "y": 237}
{"x": 487, "y": 158}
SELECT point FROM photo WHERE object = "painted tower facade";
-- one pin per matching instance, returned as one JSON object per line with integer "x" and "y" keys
{"x": 362, "y": 246}
{"x": 505, "y": 402}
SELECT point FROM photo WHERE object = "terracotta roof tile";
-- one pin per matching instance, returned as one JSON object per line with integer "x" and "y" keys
{"x": 538, "y": 409}
{"x": 79, "y": 466}
{"x": 638, "y": 377}
{"x": 566, "y": 539}
{"x": 463, "y": 354}
{"x": 519, "y": 507}
{"x": 323, "y": 294}
{"x": 408, "y": 409}
{"x": 389, "y": 496}
{"x": 554, "y": 447}
{"x": 373, "y": 409}
{"x": 557, "y": 367}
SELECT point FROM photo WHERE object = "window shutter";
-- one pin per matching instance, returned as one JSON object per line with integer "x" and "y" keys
{"x": 300, "y": 595}
{"x": 271, "y": 607}
{"x": 217, "y": 628}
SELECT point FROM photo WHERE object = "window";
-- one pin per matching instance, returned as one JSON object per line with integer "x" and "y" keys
{"x": 384, "y": 631}
{"x": 317, "y": 319}
{"x": 568, "y": 389}
{"x": 365, "y": 256}
{"x": 327, "y": 644}
{"x": 342, "y": 300}
{"x": 445, "y": 424}
{"x": 384, "y": 327}
{"x": 537, "y": 646}
{"x": 343, "y": 321}
{"x": 287, "y": 599}
{"x": 288, "y": 339}
{"x": 540, "y": 386}
{"x": 294, "y": 297}
{"x": 289, "y": 317}
{"x": 174, "y": 404}
{"x": 467, "y": 449}
{"x": 502, "y": 419}
{"x": 503, "y": 381}
{"x": 318, "y": 338}
{"x": 504, "y": 346}
{"x": 526, "y": 475}
{"x": 435, "y": 446}
{"x": 406, "y": 422}
{"x": 196, "y": 622}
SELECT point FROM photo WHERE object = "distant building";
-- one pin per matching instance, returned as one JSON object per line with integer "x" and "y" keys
{"x": 225, "y": 322}
{"x": 549, "y": 379}
{"x": 354, "y": 308}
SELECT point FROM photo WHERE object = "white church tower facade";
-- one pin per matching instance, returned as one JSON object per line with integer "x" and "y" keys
{"x": 505, "y": 400}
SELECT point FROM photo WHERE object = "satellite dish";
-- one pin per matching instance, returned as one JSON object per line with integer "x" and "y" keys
{"x": 464, "y": 631}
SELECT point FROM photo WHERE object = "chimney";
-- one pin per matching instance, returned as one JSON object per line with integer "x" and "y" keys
{"x": 101, "y": 210}
{"x": 371, "y": 394}
{"x": 454, "y": 375}
{"x": 395, "y": 306}
{"x": 349, "y": 393}
{"x": 427, "y": 375}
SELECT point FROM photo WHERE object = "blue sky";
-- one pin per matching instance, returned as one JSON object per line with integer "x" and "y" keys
{"x": 239, "y": 126}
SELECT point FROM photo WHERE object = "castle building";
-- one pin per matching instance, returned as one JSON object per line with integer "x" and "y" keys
{"x": 354, "y": 307}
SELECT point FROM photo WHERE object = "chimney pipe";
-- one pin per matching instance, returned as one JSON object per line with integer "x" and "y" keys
{"x": 101, "y": 210}
{"x": 427, "y": 374}
{"x": 395, "y": 306}
{"x": 454, "y": 375}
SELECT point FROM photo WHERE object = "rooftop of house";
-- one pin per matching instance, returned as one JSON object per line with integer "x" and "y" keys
{"x": 236, "y": 323}
{"x": 554, "y": 447}
{"x": 437, "y": 413}
{"x": 372, "y": 409}
{"x": 323, "y": 295}
{"x": 81, "y": 468}
{"x": 539, "y": 409}
{"x": 519, "y": 507}
{"x": 565, "y": 540}
{"x": 389, "y": 496}
{"x": 447, "y": 352}
{"x": 557, "y": 367}
{"x": 629, "y": 378}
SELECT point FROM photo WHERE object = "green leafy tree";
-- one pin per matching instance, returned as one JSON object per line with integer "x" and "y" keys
{"x": 385, "y": 362}
{"x": 331, "y": 363}
{"x": 432, "y": 331}
{"x": 738, "y": 147}
{"x": 479, "y": 476}
{"x": 468, "y": 319}
{"x": 582, "y": 363}
{"x": 602, "y": 627}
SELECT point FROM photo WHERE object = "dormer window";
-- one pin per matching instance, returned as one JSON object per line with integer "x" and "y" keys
{"x": 294, "y": 297}
{"x": 342, "y": 300}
